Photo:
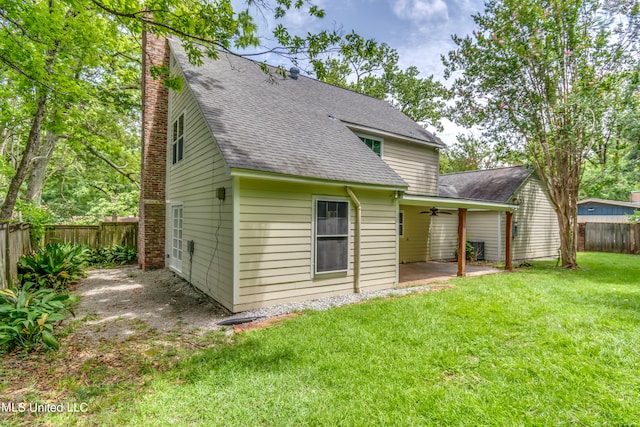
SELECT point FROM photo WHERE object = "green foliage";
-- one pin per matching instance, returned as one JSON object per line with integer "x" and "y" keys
{"x": 616, "y": 177}
{"x": 71, "y": 69}
{"x": 114, "y": 255}
{"x": 468, "y": 153}
{"x": 369, "y": 67}
{"x": 552, "y": 79}
{"x": 27, "y": 316}
{"x": 37, "y": 217}
{"x": 538, "y": 347}
{"x": 634, "y": 218}
{"x": 470, "y": 252}
{"x": 55, "y": 266}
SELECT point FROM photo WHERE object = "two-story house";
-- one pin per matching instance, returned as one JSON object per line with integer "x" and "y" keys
{"x": 261, "y": 189}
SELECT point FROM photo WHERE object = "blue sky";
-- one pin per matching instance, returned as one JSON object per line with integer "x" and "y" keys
{"x": 420, "y": 30}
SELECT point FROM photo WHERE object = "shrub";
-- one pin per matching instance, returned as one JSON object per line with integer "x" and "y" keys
{"x": 55, "y": 266}
{"x": 114, "y": 255}
{"x": 27, "y": 316}
{"x": 471, "y": 253}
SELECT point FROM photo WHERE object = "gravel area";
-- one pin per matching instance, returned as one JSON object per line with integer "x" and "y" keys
{"x": 124, "y": 302}
{"x": 326, "y": 303}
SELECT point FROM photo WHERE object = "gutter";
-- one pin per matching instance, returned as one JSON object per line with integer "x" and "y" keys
{"x": 456, "y": 203}
{"x": 356, "y": 250}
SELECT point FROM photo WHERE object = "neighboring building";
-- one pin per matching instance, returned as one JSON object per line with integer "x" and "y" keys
{"x": 282, "y": 189}
{"x": 600, "y": 210}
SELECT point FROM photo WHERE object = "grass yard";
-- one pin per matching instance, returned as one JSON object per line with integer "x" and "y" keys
{"x": 541, "y": 346}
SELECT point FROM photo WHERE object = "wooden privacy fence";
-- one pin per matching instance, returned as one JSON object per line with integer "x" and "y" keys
{"x": 15, "y": 241}
{"x": 95, "y": 236}
{"x": 609, "y": 237}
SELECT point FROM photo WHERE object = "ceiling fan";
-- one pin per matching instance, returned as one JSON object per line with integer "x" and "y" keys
{"x": 435, "y": 212}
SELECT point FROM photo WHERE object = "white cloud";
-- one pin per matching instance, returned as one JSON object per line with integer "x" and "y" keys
{"x": 420, "y": 10}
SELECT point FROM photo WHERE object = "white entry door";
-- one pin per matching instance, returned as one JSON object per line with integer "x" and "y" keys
{"x": 176, "y": 237}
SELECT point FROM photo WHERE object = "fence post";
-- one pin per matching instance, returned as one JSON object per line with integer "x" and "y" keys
{"x": 7, "y": 254}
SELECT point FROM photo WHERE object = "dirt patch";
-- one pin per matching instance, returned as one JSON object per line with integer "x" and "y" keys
{"x": 119, "y": 302}
{"x": 127, "y": 323}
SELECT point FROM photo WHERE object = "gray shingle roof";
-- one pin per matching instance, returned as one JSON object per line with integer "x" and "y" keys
{"x": 293, "y": 127}
{"x": 496, "y": 185}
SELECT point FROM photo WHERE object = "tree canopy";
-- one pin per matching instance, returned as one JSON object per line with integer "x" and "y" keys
{"x": 547, "y": 77}
{"x": 371, "y": 68}
{"x": 70, "y": 74}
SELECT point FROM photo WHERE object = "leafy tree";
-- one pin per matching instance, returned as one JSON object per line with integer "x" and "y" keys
{"x": 55, "y": 54}
{"x": 613, "y": 170}
{"x": 371, "y": 68}
{"x": 468, "y": 153}
{"x": 544, "y": 77}
{"x": 59, "y": 56}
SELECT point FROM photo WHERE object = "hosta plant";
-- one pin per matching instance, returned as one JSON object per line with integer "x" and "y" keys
{"x": 27, "y": 316}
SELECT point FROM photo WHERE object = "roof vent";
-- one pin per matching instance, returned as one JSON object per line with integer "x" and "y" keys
{"x": 294, "y": 72}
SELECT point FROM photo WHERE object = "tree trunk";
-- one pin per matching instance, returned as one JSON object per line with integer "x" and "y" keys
{"x": 25, "y": 163}
{"x": 39, "y": 169}
{"x": 565, "y": 183}
{"x": 568, "y": 236}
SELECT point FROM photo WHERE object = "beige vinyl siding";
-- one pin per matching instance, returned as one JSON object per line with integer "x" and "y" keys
{"x": 538, "y": 231}
{"x": 444, "y": 235}
{"x": 417, "y": 164}
{"x": 276, "y": 239}
{"x": 414, "y": 244}
{"x": 481, "y": 226}
{"x": 192, "y": 182}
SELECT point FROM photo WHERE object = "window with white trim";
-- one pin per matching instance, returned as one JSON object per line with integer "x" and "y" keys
{"x": 331, "y": 235}
{"x": 177, "y": 139}
{"x": 176, "y": 237}
{"x": 401, "y": 223}
{"x": 373, "y": 143}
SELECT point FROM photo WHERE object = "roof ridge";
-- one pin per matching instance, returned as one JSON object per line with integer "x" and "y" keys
{"x": 301, "y": 75}
{"x": 484, "y": 170}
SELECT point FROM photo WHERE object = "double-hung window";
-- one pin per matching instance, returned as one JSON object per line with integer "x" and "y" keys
{"x": 373, "y": 143}
{"x": 177, "y": 139}
{"x": 331, "y": 235}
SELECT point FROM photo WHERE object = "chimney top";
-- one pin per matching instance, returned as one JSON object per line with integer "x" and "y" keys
{"x": 635, "y": 197}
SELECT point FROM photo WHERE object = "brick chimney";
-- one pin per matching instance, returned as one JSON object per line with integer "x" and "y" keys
{"x": 635, "y": 197}
{"x": 155, "y": 99}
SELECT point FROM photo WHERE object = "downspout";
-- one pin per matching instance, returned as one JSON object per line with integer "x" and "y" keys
{"x": 356, "y": 250}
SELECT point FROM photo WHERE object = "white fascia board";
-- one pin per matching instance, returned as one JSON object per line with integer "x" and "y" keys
{"x": 453, "y": 203}
{"x": 245, "y": 173}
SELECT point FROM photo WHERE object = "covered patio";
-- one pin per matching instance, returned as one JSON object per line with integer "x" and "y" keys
{"x": 434, "y": 203}
{"x": 416, "y": 273}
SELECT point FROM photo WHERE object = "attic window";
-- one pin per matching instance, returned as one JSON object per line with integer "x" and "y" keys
{"x": 373, "y": 143}
{"x": 177, "y": 139}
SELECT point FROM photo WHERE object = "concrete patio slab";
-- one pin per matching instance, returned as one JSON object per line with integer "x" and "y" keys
{"x": 417, "y": 273}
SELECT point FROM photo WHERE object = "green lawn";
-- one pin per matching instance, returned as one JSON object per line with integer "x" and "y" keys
{"x": 541, "y": 346}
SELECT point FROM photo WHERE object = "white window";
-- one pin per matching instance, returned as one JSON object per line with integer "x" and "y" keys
{"x": 177, "y": 139}
{"x": 331, "y": 245}
{"x": 374, "y": 143}
{"x": 401, "y": 223}
{"x": 176, "y": 237}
